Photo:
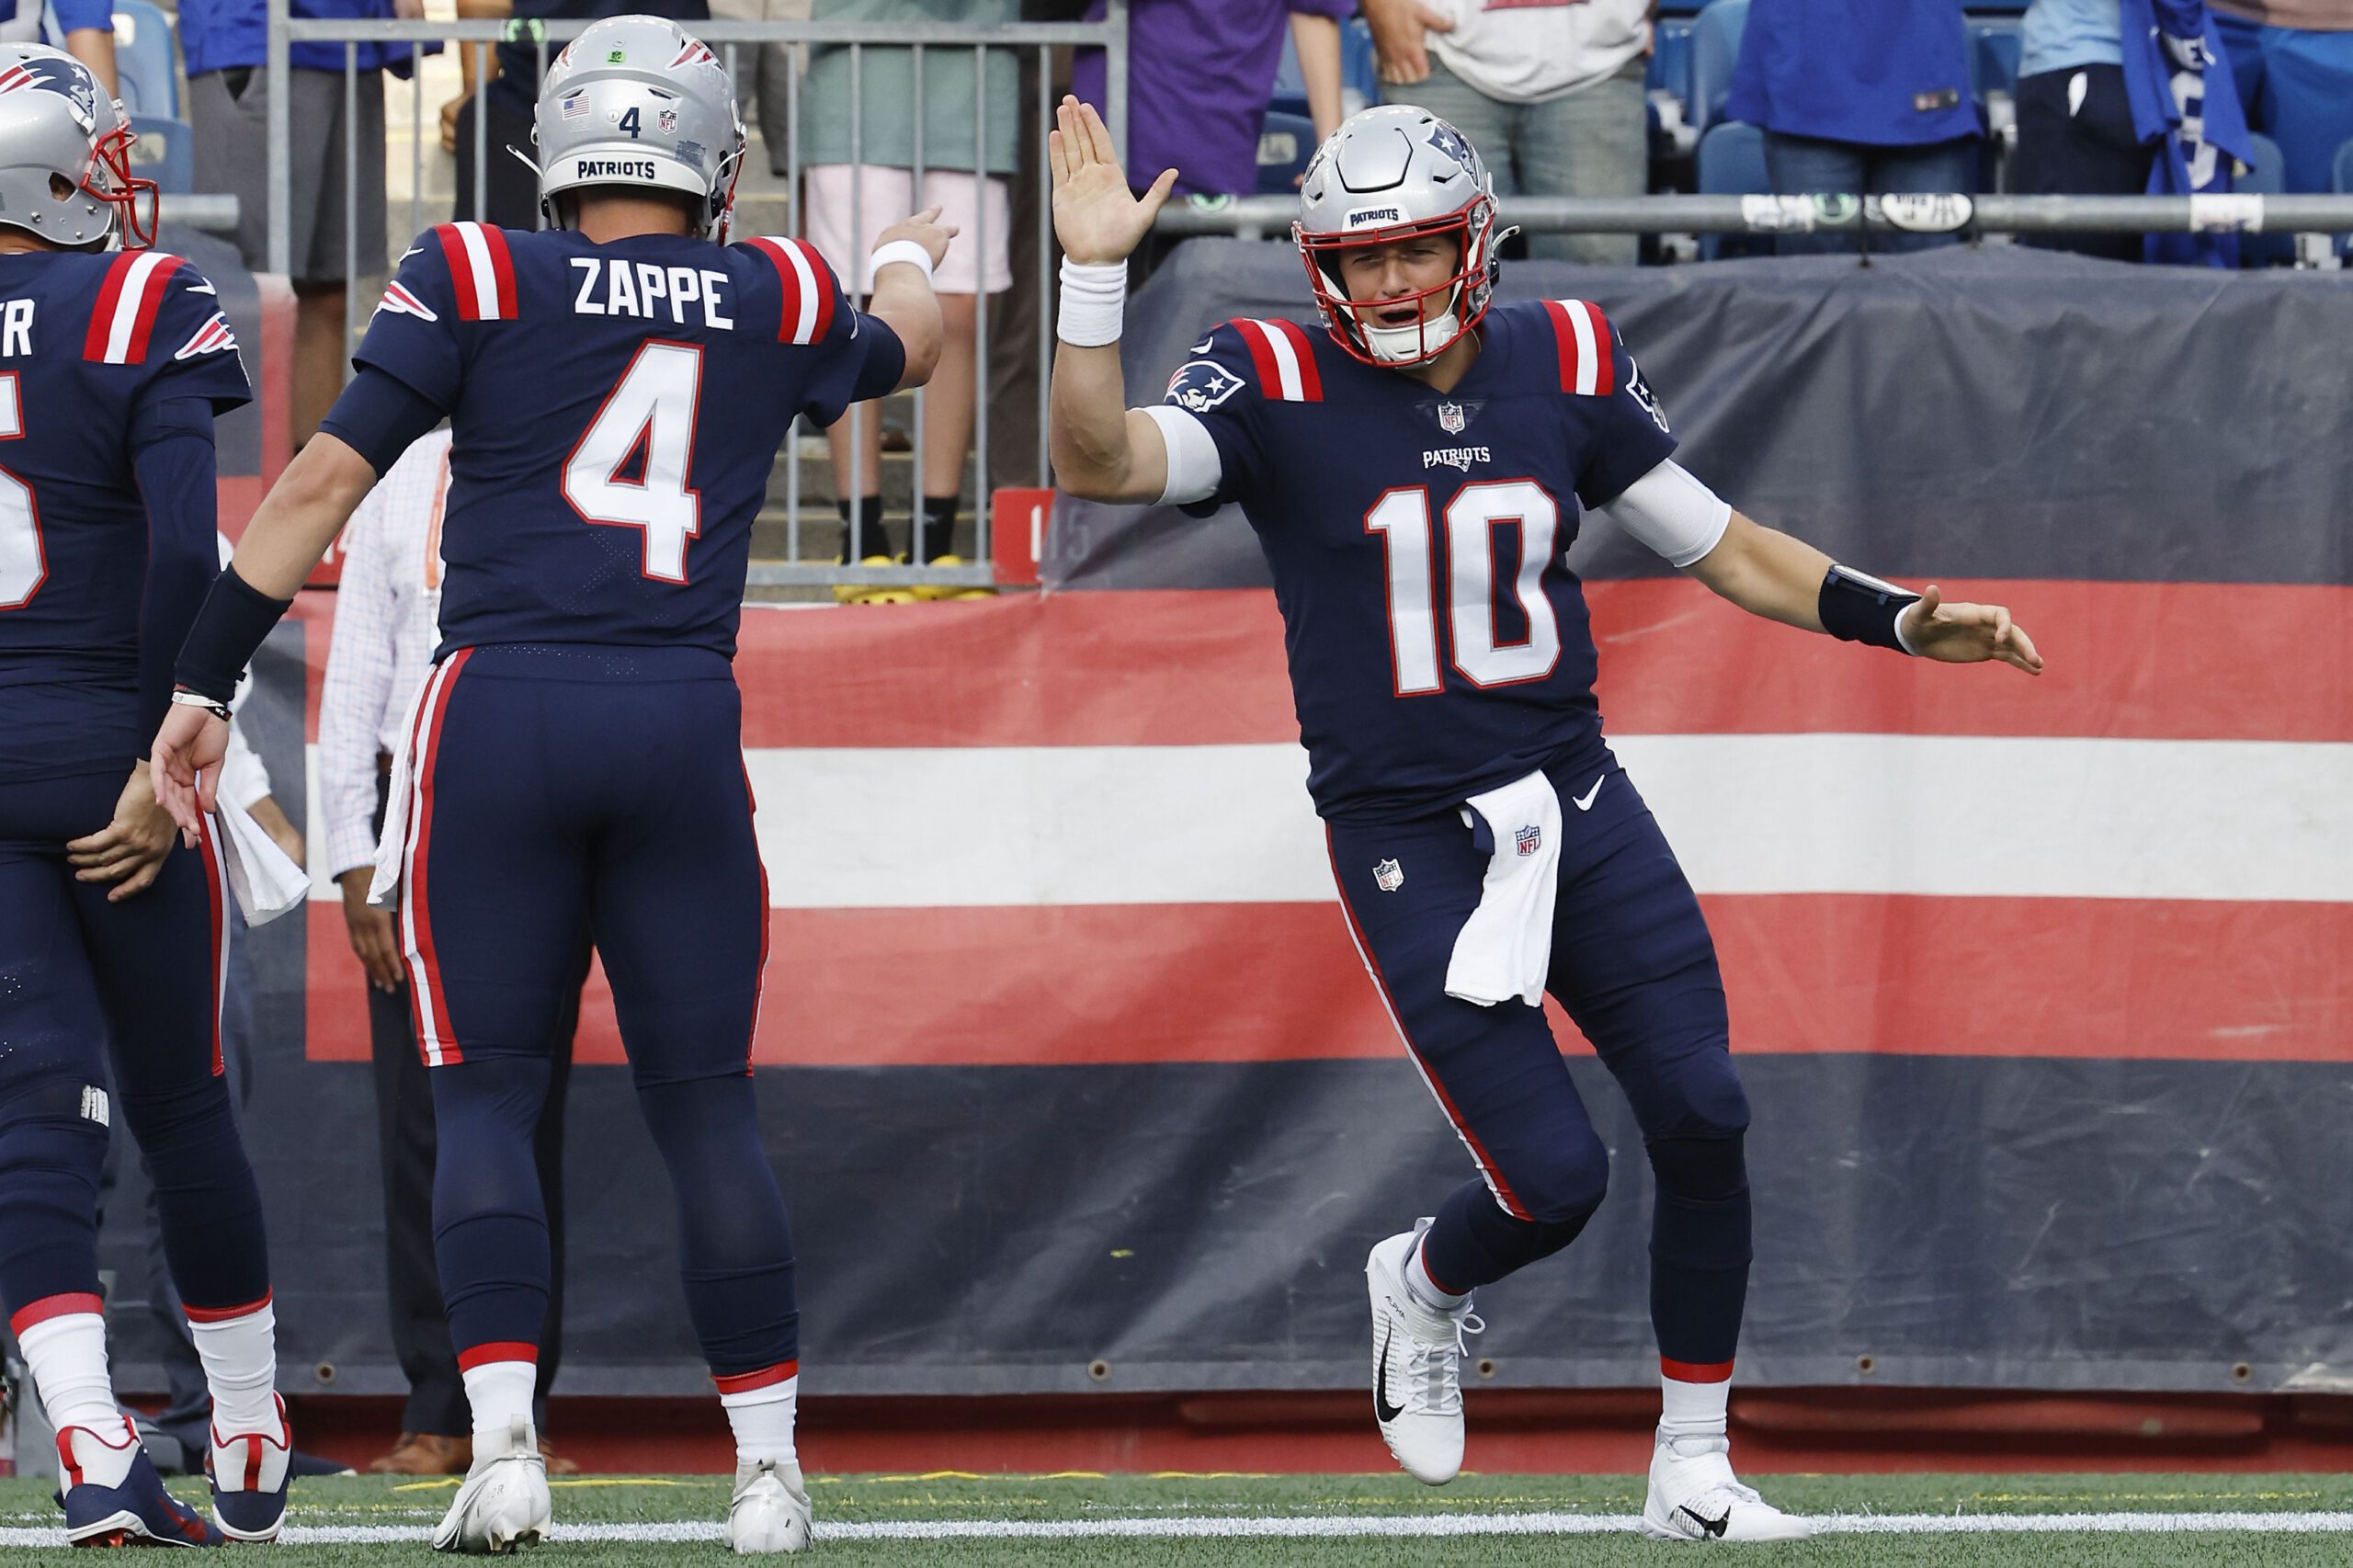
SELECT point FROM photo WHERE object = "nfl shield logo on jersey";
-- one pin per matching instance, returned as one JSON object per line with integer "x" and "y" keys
{"x": 1388, "y": 876}
{"x": 1530, "y": 839}
{"x": 1449, "y": 418}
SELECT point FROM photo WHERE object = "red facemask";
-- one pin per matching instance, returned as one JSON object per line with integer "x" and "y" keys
{"x": 1352, "y": 322}
{"x": 109, "y": 179}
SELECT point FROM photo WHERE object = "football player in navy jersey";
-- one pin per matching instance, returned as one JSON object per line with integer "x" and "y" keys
{"x": 618, "y": 385}
{"x": 114, "y": 358}
{"x": 1488, "y": 846}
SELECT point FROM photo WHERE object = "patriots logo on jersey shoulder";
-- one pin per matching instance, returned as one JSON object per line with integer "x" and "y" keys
{"x": 400, "y": 303}
{"x": 1200, "y": 385}
{"x": 213, "y": 337}
{"x": 63, "y": 77}
{"x": 1641, "y": 393}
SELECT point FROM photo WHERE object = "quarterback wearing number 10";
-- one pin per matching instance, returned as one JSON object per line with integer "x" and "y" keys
{"x": 1487, "y": 847}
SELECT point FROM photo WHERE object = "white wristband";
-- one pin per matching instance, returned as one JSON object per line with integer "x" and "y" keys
{"x": 1095, "y": 301}
{"x": 914, "y": 254}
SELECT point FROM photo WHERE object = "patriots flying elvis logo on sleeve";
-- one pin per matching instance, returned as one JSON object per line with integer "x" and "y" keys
{"x": 1200, "y": 385}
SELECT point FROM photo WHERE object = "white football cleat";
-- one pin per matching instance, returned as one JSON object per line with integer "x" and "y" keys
{"x": 1695, "y": 1496}
{"x": 1416, "y": 1366}
{"x": 504, "y": 1503}
{"x": 770, "y": 1511}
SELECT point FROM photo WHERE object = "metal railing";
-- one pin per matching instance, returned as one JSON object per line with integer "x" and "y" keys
{"x": 1263, "y": 217}
{"x": 728, "y": 38}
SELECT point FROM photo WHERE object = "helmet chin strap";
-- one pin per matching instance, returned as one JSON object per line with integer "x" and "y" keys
{"x": 1407, "y": 345}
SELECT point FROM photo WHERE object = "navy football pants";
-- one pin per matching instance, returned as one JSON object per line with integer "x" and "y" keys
{"x": 573, "y": 794}
{"x": 1633, "y": 966}
{"x": 80, "y": 980}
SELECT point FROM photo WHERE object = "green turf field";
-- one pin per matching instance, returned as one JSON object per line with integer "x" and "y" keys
{"x": 1502, "y": 1520}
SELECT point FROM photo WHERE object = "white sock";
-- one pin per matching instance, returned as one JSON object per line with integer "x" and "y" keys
{"x": 762, "y": 1417}
{"x": 1425, "y": 1290}
{"x": 67, "y": 1356}
{"x": 1693, "y": 1409}
{"x": 500, "y": 1393}
{"x": 240, "y": 1357}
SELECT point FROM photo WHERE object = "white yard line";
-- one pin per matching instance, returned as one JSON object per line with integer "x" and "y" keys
{"x": 1398, "y": 1525}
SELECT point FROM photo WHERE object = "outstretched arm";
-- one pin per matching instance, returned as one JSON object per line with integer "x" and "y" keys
{"x": 1102, "y": 449}
{"x": 903, "y": 299}
{"x": 1780, "y": 577}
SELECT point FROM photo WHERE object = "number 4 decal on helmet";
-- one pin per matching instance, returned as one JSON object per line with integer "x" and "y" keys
{"x": 647, "y": 425}
{"x": 628, "y": 122}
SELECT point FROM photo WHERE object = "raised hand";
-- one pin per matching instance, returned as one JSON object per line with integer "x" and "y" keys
{"x": 1096, "y": 218}
{"x": 1967, "y": 633}
{"x": 925, "y": 229}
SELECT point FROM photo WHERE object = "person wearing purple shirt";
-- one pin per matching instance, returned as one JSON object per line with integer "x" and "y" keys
{"x": 1200, "y": 73}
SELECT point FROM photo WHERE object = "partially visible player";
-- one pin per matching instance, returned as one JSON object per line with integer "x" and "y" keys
{"x": 1415, "y": 472}
{"x": 617, "y": 386}
{"x": 112, "y": 365}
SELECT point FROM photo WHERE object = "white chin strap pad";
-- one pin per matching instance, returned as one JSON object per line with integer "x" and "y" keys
{"x": 1404, "y": 345}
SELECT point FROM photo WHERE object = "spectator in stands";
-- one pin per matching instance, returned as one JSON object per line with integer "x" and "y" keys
{"x": 2293, "y": 63}
{"x": 225, "y": 43}
{"x": 511, "y": 190}
{"x": 851, "y": 194}
{"x": 1861, "y": 97}
{"x": 1552, "y": 95}
{"x": 386, "y": 623}
{"x": 82, "y": 28}
{"x": 764, "y": 72}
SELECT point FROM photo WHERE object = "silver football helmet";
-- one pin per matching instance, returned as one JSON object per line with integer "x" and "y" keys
{"x": 1388, "y": 174}
{"x": 65, "y": 154}
{"x": 638, "y": 100}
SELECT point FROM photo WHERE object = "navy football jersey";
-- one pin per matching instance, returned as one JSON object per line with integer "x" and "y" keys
{"x": 616, "y": 410}
{"x": 1439, "y": 644}
{"x": 86, "y": 340}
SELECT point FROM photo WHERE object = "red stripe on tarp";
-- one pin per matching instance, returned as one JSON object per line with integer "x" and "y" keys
{"x": 765, "y": 1377}
{"x": 1202, "y": 667}
{"x": 1695, "y": 1372}
{"x": 1088, "y": 985}
{"x": 497, "y": 1350}
{"x": 224, "y": 1314}
{"x": 58, "y": 1306}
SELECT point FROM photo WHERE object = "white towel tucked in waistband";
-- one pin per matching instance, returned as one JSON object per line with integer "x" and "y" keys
{"x": 391, "y": 845}
{"x": 264, "y": 878}
{"x": 1506, "y": 948}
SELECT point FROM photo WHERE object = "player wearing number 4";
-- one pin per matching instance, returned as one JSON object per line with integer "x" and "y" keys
{"x": 618, "y": 385}
{"x": 1487, "y": 847}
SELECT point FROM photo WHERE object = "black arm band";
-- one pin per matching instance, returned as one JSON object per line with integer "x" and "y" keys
{"x": 380, "y": 416}
{"x": 1859, "y": 608}
{"x": 230, "y": 626}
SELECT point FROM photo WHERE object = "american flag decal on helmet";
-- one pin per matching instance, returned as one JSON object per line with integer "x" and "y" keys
{"x": 400, "y": 303}
{"x": 210, "y": 338}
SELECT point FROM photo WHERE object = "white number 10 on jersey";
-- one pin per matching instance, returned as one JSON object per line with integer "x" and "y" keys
{"x": 1401, "y": 518}
{"x": 649, "y": 412}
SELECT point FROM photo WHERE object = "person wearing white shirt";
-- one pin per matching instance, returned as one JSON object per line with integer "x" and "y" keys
{"x": 386, "y": 626}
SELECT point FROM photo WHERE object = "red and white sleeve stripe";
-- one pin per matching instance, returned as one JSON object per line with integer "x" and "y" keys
{"x": 808, "y": 313}
{"x": 1285, "y": 359}
{"x": 1588, "y": 363}
{"x": 480, "y": 270}
{"x": 127, "y": 303}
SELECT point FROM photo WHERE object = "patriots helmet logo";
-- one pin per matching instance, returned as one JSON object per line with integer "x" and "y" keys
{"x": 67, "y": 78}
{"x": 1200, "y": 385}
{"x": 1452, "y": 142}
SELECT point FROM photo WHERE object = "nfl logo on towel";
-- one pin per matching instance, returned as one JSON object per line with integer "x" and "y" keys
{"x": 1389, "y": 876}
{"x": 1529, "y": 838}
{"x": 1449, "y": 418}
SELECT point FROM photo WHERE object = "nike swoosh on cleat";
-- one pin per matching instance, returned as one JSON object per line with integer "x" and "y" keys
{"x": 1713, "y": 1526}
{"x": 1380, "y": 1406}
{"x": 1585, "y": 803}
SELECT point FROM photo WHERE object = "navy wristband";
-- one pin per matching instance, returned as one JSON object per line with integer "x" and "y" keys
{"x": 230, "y": 626}
{"x": 1859, "y": 608}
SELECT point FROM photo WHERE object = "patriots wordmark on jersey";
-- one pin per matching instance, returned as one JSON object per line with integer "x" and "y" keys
{"x": 1439, "y": 644}
{"x": 617, "y": 410}
{"x": 87, "y": 344}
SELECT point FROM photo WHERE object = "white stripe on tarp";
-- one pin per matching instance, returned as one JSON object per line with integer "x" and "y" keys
{"x": 1588, "y": 367}
{"x": 485, "y": 276}
{"x": 126, "y": 305}
{"x": 1936, "y": 815}
{"x": 1310, "y": 1526}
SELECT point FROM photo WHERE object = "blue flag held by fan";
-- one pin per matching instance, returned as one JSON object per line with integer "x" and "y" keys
{"x": 2183, "y": 100}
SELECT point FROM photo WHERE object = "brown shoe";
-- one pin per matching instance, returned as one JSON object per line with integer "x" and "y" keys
{"x": 557, "y": 1464}
{"x": 425, "y": 1453}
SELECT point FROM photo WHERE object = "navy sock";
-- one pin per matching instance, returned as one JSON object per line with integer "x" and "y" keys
{"x": 735, "y": 1242}
{"x": 50, "y": 1158}
{"x": 1699, "y": 1247}
{"x": 207, "y": 1202}
{"x": 1472, "y": 1242}
{"x": 490, "y": 1227}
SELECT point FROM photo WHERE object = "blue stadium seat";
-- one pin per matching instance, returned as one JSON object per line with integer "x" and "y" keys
{"x": 1715, "y": 49}
{"x": 1359, "y": 72}
{"x": 2267, "y": 175}
{"x": 165, "y": 152}
{"x": 143, "y": 59}
{"x": 1732, "y": 163}
{"x": 1284, "y": 147}
{"x": 1994, "y": 58}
